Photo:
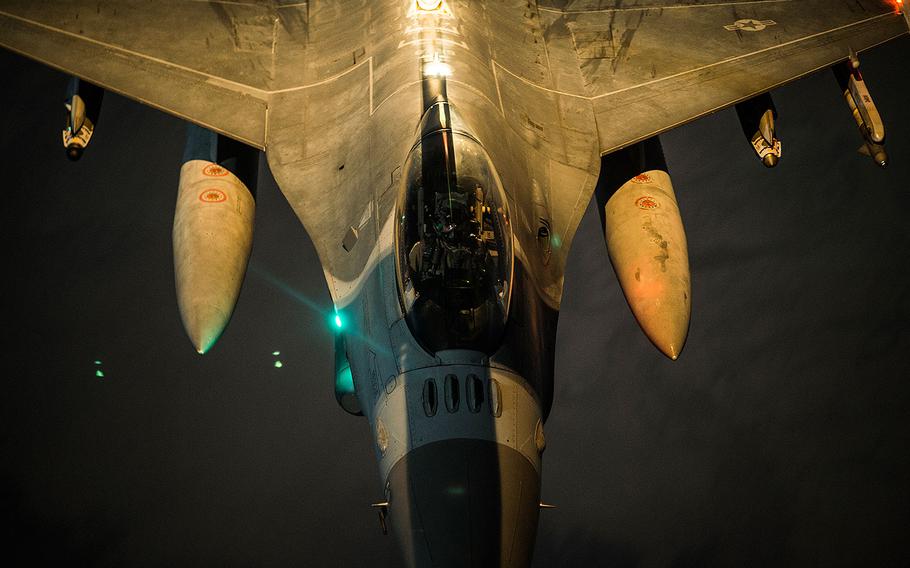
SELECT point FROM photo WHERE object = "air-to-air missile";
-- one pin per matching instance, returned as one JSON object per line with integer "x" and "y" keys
{"x": 213, "y": 231}
{"x": 757, "y": 116}
{"x": 83, "y": 106}
{"x": 866, "y": 115}
{"x": 646, "y": 242}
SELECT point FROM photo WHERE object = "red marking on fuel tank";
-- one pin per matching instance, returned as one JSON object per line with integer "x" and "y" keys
{"x": 212, "y": 196}
{"x": 647, "y": 202}
{"x": 214, "y": 170}
{"x": 642, "y": 178}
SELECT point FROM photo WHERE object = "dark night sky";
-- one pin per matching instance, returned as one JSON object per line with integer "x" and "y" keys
{"x": 779, "y": 438}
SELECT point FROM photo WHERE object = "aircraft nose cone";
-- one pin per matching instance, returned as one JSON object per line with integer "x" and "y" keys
{"x": 770, "y": 160}
{"x": 463, "y": 502}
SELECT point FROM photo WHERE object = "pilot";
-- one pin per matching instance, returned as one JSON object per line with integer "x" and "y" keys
{"x": 415, "y": 257}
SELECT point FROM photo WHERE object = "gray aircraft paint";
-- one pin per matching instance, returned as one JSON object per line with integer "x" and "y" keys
{"x": 553, "y": 147}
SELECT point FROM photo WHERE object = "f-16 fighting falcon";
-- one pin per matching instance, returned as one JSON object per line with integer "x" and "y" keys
{"x": 440, "y": 155}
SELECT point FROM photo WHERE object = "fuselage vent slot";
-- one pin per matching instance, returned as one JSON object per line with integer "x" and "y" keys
{"x": 474, "y": 392}
{"x": 430, "y": 397}
{"x": 495, "y": 398}
{"x": 452, "y": 394}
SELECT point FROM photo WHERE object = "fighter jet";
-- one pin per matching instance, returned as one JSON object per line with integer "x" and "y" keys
{"x": 440, "y": 155}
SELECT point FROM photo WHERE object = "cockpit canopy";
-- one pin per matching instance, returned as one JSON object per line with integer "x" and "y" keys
{"x": 454, "y": 243}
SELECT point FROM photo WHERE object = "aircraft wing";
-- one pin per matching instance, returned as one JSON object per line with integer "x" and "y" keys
{"x": 323, "y": 88}
{"x": 650, "y": 65}
{"x": 209, "y": 63}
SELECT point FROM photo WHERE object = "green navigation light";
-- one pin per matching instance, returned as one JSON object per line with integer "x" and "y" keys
{"x": 278, "y": 364}
{"x": 99, "y": 373}
{"x": 97, "y": 362}
{"x": 276, "y": 353}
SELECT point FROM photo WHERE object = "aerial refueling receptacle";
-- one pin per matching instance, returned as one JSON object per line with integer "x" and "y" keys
{"x": 83, "y": 107}
{"x": 647, "y": 242}
{"x": 213, "y": 231}
{"x": 865, "y": 113}
{"x": 758, "y": 116}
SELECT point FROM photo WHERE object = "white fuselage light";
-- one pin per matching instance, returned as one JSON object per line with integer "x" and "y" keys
{"x": 429, "y": 5}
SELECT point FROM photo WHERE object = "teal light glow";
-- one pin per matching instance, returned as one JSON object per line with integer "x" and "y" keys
{"x": 276, "y": 353}
{"x": 556, "y": 241}
{"x": 338, "y": 321}
{"x": 279, "y": 364}
{"x": 99, "y": 373}
{"x": 97, "y": 362}
{"x": 344, "y": 381}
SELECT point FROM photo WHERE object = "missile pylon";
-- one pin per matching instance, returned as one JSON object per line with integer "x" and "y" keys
{"x": 647, "y": 242}
{"x": 758, "y": 118}
{"x": 213, "y": 236}
{"x": 83, "y": 107}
